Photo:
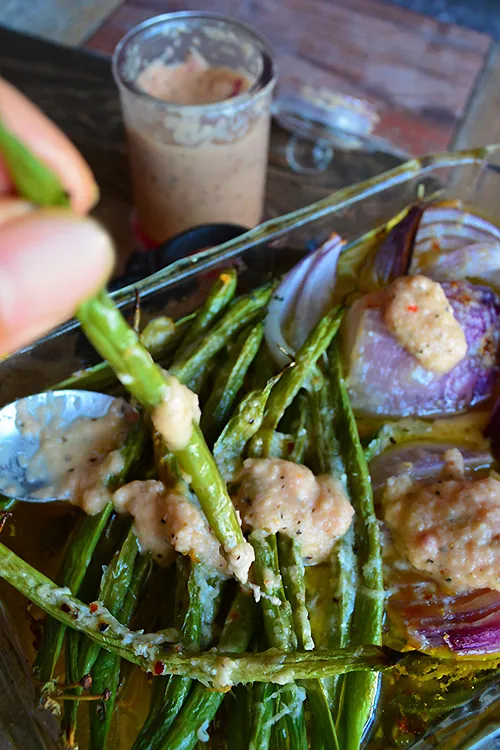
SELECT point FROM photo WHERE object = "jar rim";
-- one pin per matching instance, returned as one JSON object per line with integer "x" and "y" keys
{"x": 260, "y": 87}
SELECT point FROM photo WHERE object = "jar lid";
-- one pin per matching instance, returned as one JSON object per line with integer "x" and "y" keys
{"x": 327, "y": 120}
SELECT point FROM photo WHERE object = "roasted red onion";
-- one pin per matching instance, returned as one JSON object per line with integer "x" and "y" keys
{"x": 466, "y": 625}
{"x": 453, "y": 244}
{"x": 300, "y": 300}
{"x": 385, "y": 379}
{"x": 394, "y": 255}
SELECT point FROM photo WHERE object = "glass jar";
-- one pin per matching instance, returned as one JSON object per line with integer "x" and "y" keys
{"x": 195, "y": 163}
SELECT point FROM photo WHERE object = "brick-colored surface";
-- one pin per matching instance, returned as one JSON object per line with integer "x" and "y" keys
{"x": 418, "y": 72}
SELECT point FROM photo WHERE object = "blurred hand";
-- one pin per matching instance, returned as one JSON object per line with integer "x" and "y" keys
{"x": 51, "y": 259}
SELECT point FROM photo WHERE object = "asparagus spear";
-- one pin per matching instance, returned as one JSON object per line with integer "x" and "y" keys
{"x": 263, "y": 708}
{"x": 201, "y": 706}
{"x": 299, "y": 431}
{"x": 278, "y": 624}
{"x": 294, "y": 377}
{"x": 210, "y": 667}
{"x": 227, "y": 385}
{"x": 240, "y": 313}
{"x": 83, "y": 653}
{"x": 101, "y": 376}
{"x": 177, "y": 690}
{"x": 221, "y": 294}
{"x": 106, "y": 670}
{"x": 229, "y": 448}
{"x": 292, "y": 571}
{"x": 343, "y": 564}
{"x": 360, "y": 691}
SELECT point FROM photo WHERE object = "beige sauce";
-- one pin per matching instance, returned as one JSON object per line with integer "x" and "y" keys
{"x": 277, "y": 495}
{"x": 421, "y": 318}
{"x": 449, "y": 529}
{"x": 176, "y": 415}
{"x": 74, "y": 461}
{"x": 164, "y": 520}
{"x": 198, "y": 168}
{"x": 192, "y": 82}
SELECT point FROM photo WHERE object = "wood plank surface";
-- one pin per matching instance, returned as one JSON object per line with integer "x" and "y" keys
{"x": 64, "y": 21}
{"x": 418, "y": 72}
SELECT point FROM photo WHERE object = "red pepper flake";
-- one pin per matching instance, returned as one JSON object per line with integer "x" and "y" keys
{"x": 158, "y": 667}
{"x": 402, "y": 725}
{"x": 93, "y": 608}
{"x": 412, "y": 308}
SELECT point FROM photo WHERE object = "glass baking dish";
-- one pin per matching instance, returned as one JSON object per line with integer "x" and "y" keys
{"x": 472, "y": 177}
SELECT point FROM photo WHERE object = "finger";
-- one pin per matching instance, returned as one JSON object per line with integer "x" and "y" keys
{"x": 35, "y": 130}
{"x": 13, "y": 208}
{"x": 50, "y": 261}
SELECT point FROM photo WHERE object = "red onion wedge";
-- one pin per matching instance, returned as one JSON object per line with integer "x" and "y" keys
{"x": 384, "y": 379}
{"x": 300, "y": 300}
{"x": 394, "y": 254}
{"x": 452, "y": 244}
{"x": 465, "y": 625}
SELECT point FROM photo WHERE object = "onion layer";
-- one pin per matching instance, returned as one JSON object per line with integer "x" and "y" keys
{"x": 422, "y": 461}
{"x": 467, "y": 625}
{"x": 301, "y": 300}
{"x": 454, "y": 244}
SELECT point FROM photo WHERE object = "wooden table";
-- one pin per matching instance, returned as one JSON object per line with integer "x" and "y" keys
{"x": 76, "y": 89}
{"x": 434, "y": 85}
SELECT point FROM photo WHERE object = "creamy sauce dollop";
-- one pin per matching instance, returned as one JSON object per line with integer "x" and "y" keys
{"x": 449, "y": 529}
{"x": 421, "y": 318}
{"x": 165, "y": 520}
{"x": 277, "y": 495}
{"x": 175, "y": 416}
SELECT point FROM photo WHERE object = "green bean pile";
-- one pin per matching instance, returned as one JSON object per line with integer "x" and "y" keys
{"x": 301, "y": 414}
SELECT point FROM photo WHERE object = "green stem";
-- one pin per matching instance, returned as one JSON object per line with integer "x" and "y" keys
{"x": 211, "y": 667}
{"x": 295, "y": 377}
{"x": 202, "y": 704}
{"x": 218, "y": 299}
{"x": 360, "y": 691}
{"x": 106, "y": 671}
{"x": 120, "y": 346}
{"x": 229, "y": 381}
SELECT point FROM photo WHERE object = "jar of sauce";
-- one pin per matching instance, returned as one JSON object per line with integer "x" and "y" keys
{"x": 196, "y": 91}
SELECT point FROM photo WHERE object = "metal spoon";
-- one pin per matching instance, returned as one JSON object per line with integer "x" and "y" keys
{"x": 54, "y": 412}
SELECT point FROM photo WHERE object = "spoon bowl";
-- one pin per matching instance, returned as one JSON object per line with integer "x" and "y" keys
{"x": 57, "y": 419}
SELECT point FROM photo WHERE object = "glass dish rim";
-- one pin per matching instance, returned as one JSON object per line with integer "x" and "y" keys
{"x": 275, "y": 228}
